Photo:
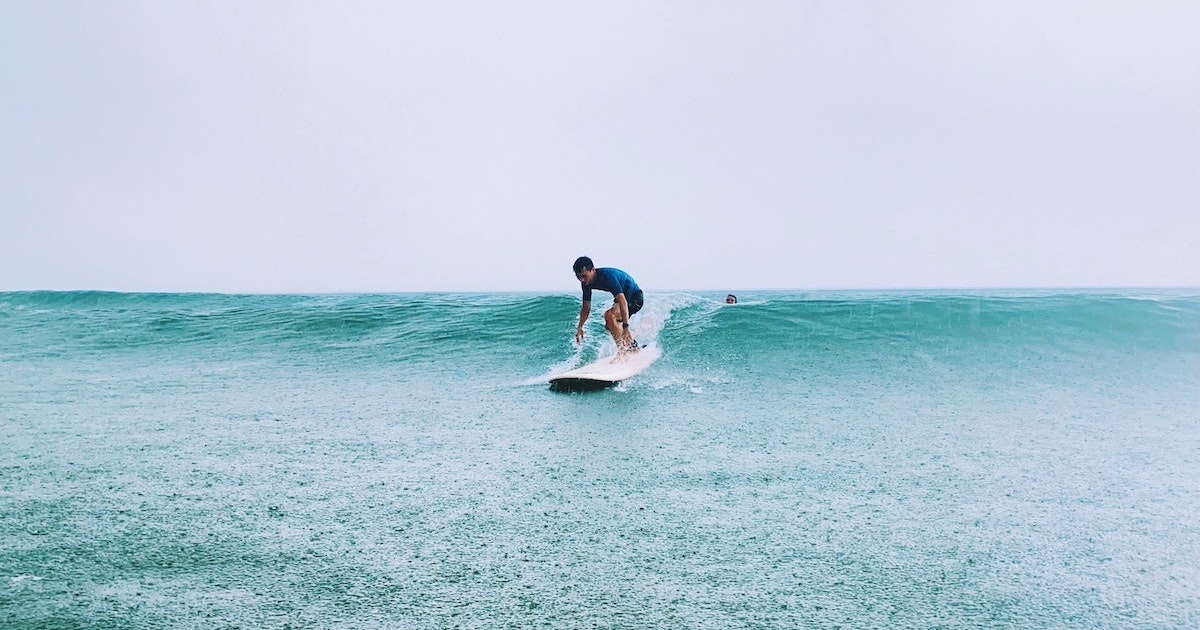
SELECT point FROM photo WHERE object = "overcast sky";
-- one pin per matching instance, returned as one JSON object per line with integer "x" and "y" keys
{"x": 482, "y": 146}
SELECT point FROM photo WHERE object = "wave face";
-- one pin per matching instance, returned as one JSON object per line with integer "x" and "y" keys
{"x": 773, "y": 330}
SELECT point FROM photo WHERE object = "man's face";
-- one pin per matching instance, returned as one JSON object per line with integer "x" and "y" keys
{"x": 586, "y": 275}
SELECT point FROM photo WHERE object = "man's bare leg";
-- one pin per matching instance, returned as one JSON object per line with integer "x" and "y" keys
{"x": 620, "y": 334}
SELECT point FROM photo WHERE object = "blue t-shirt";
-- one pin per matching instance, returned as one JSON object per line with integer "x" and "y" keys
{"x": 612, "y": 280}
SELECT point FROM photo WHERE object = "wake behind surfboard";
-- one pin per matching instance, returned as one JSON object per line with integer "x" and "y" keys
{"x": 606, "y": 372}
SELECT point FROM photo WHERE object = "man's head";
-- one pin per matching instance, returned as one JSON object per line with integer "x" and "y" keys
{"x": 584, "y": 269}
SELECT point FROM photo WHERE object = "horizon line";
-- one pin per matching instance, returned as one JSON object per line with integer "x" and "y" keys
{"x": 1147, "y": 287}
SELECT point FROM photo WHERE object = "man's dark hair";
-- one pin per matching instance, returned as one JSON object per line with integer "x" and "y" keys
{"x": 582, "y": 263}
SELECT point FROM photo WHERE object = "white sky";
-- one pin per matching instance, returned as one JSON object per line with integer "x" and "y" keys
{"x": 482, "y": 146}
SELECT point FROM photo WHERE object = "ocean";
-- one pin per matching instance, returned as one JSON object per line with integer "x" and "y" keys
{"x": 871, "y": 459}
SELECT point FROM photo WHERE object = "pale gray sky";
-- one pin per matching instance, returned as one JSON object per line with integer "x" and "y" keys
{"x": 482, "y": 146}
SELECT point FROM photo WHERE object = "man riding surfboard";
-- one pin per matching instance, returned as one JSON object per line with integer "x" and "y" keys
{"x": 627, "y": 300}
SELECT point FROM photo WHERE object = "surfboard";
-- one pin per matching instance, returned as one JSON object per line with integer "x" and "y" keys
{"x": 606, "y": 372}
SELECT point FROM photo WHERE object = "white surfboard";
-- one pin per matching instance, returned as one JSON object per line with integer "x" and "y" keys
{"x": 606, "y": 372}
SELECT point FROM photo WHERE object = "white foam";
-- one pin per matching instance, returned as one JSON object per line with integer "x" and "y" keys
{"x": 649, "y": 322}
{"x": 21, "y": 578}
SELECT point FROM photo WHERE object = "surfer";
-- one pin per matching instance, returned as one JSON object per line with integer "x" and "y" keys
{"x": 731, "y": 299}
{"x": 627, "y": 300}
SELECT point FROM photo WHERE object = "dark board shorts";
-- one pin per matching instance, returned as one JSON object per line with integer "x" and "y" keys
{"x": 635, "y": 302}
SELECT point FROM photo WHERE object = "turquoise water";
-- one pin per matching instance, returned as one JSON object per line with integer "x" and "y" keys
{"x": 861, "y": 460}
